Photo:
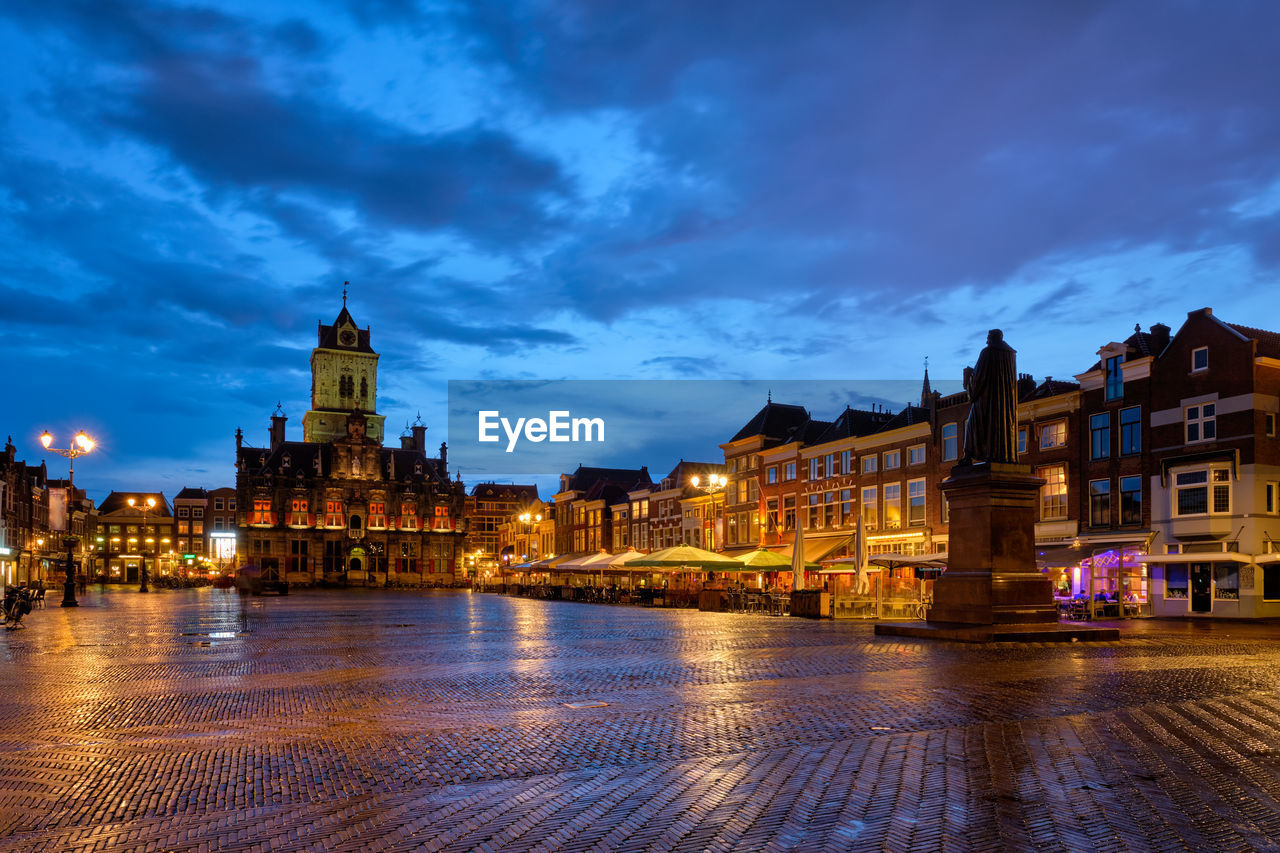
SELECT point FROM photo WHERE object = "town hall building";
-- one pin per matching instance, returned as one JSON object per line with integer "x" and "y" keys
{"x": 338, "y": 507}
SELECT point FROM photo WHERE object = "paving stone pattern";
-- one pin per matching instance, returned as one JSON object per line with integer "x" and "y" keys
{"x": 204, "y": 721}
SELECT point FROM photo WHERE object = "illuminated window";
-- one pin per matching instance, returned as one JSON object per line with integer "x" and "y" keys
{"x": 870, "y": 508}
{"x": 298, "y": 513}
{"x": 892, "y": 506}
{"x": 261, "y": 512}
{"x": 377, "y": 514}
{"x": 335, "y": 514}
{"x": 915, "y": 503}
{"x": 1053, "y": 494}
{"x": 1053, "y": 434}
{"x": 408, "y": 517}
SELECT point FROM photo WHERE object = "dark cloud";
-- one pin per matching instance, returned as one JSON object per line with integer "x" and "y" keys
{"x": 184, "y": 187}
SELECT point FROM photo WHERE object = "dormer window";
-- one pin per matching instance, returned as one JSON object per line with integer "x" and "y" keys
{"x": 1199, "y": 359}
{"x": 1115, "y": 379}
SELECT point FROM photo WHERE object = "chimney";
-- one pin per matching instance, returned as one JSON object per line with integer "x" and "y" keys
{"x": 406, "y": 442}
{"x": 1026, "y": 385}
{"x": 419, "y": 435}
{"x": 277, "y": 427}
{"x": 1159, "y": 338}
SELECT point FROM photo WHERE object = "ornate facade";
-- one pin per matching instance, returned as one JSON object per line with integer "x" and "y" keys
{"x": 338, "y": 507}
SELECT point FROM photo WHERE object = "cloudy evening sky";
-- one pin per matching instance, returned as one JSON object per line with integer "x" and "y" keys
{"x": 642, "y": 189}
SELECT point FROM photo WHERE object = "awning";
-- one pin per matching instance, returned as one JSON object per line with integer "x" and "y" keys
{"x": 554, "y": 562}
{"x": 1115, "y": 537}
{"x": 1059, "y": 558}
{"x": 819, "y": 546}
{"x": 1206, "y": 557}
{"x": 583, "y": 560}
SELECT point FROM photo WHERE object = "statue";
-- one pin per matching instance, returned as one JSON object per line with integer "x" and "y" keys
{"x": 991, "y": 433}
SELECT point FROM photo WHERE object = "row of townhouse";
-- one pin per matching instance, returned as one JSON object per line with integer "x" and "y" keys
{"x": 35, "y": 517}
{"x": 1160, "y": 462}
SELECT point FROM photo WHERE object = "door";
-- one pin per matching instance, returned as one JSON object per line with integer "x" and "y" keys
{"x": 1201, "y": 587}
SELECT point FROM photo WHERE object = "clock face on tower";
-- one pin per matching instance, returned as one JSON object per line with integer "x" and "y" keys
{"x": 347, "y": 338}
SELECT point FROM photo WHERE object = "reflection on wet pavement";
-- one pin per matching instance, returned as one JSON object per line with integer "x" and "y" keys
{"x": 186, "y": 720}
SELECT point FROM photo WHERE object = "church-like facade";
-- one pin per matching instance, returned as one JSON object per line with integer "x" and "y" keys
{"x": 338, "y": 507}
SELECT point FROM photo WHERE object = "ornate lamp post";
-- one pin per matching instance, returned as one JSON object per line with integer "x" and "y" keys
{"x": 80, "y": 445}
{"x": 145, "y": 507}
{"x": 715, "y": 485}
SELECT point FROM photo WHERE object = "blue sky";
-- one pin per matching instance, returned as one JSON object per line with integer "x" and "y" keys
{"x": 602, "y": 190}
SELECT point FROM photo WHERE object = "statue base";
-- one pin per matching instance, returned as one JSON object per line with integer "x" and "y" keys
{"x": 992, "y": 577}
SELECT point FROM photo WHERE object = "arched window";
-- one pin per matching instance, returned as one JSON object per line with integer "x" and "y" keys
{"x": 355, "y": 522}
{"x": 364, "y": 387}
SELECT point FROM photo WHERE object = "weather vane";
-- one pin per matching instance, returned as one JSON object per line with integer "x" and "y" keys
{"x": 344, "y": 293}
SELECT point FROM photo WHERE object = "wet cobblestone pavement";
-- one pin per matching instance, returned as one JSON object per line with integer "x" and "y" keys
{"x": 199, "y": 720}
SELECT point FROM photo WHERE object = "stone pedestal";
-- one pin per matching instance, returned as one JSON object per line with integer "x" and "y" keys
{"x": 991, "y": 578}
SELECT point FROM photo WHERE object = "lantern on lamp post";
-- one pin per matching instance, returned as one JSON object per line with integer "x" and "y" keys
{"x": 145, "y": 507}
{"x": 81, "y": 444}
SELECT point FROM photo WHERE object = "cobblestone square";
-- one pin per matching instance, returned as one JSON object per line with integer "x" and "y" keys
{"x": 202, "y": 720}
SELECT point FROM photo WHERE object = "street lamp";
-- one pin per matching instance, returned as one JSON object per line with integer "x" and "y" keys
{"x": 715, "y": 483}
{"x": 80, "y": 445}
{"x": 145, "y": 507}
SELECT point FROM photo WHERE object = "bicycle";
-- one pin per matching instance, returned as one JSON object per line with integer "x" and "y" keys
{"x": 17, "y": 603}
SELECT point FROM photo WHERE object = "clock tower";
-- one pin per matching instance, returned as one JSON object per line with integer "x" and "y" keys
{"x": 344, "y": 380}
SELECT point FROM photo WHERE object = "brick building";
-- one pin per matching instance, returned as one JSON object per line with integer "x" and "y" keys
{"x": 490, "y": 506}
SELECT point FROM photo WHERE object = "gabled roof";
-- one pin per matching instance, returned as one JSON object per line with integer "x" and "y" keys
{"x": 1051, "y": 387}
{"x": 505, "y": 491}
{"x": 808, "y": 432}
{"x": 908, "y": 416}
{"x": 585, "y": 479}
{"x": 328, "y": 335}
{"x": 1137, "y": 345}
{"x": 119, "y": 501}
{"x": 685, "y": 470}
{"x": 775, "y": 422}
{"x": 1268, "y": 342}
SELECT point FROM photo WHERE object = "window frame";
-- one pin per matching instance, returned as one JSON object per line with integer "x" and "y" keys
{"x": 950, "y": 441}
{"x": 1194, "y": 358}
{"x": 1058, "y": 497}
{"x": 1205, "y": 425}
{"x": 1113, "y": 383}
{"x": 1130, "y": 431}
{"x": 1100, "y": 503}
{"x": 1100, "y": 436}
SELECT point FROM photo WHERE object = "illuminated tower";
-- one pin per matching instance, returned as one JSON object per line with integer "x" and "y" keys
{"x": 344, "y": 380}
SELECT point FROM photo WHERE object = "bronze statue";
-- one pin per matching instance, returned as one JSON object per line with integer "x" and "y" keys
{"x": 991, "y": 433}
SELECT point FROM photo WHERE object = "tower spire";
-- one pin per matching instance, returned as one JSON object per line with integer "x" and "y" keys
{"x": 927, "y": 390}
{"x": 345, "y": 285}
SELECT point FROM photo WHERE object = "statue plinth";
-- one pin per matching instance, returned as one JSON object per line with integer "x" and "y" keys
{"x": 992, "y": 577}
